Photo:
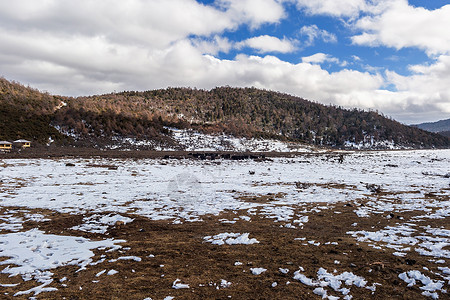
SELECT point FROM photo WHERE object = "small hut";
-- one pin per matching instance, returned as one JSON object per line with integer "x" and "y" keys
{"x": 5, "y": 146}
{"x": 22, "y": 144}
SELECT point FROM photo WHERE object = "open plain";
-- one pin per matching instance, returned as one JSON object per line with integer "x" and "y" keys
{"x": 373, "y": 226}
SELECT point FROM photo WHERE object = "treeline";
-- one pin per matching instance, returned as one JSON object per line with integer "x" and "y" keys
{"x": 242, "y": 112}
{"x": 96, "y": 127}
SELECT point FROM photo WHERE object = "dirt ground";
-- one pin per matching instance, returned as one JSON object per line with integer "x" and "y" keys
{"x": 178, "y": 251}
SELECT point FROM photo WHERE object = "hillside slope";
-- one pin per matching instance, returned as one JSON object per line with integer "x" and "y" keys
{"x": 241, "y": 112}
{"x": 26, "y": 113}
{"x": 439, "y": 126}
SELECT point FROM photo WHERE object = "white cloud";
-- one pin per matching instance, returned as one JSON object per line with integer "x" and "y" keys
{"x": 266, "y": 43}
{"x": 428, "y": 82}
{"x": 401, "y": 25}
{"x": 320, "y": 58}
{"x": 305, "y": 79}
{"x": 391, "y": 23}
{"x": 256, "y": 12}
{"x": 313, "y": 33}
{"x": 340, "y": 8}
{"x": 155, "y": 23}
{"x": 213, "y": 46}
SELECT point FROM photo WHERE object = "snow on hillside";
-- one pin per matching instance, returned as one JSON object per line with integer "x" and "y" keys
{"x": 191, "y": 140}
{"x": 195, "y": 141}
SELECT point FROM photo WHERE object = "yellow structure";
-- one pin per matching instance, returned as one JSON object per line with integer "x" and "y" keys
{"x": 5, "y": 146}
{"x": 22, "y": 143}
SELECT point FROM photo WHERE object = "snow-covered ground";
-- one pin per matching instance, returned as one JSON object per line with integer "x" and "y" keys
{"x": 185, "y": 190}
{"x": 182, "y": 191}
{"x": 33, "y": 253}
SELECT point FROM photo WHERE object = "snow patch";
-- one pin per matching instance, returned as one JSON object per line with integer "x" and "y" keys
{"x": 99, "y": 224}
{"x": 33, "y": 253}
{"x": 231, "y": 239}
{"x": 336, "y": 282}
{"x": 257, "y": 271}
{"x": 429, "y": 286}
{"x": 178, "y": 285}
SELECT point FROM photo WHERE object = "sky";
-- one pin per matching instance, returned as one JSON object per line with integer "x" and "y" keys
{"x": 392, "y": 56}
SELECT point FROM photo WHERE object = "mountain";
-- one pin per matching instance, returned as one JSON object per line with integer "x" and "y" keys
{"x": 108, "y": 120}
{"x": 439, "y": 126}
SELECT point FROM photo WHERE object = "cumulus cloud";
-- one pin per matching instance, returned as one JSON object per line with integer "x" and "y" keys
{"x": 401, "y": 25}
{"x": 320, "y": 58}
{"x": 214, "y": 45}
{"x": 266, "y": 43}
{"x": 308, "y": 80}
{"x": 155, "y": 23}
{"x": 341, "y": 8}
{"x": 428, "y": 82}
{"x": 255, "y": 12}
{"x": 313, "y": 33}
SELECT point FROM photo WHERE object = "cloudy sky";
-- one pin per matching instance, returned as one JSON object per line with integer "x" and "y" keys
{"x": 388, "y": 55}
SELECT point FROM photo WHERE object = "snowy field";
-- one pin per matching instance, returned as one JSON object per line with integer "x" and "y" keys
{"x": 302, "y": 227}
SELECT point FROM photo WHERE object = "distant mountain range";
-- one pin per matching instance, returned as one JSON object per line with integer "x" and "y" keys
{"x": 107, "y": 120}
{"x": 442, "y": 127}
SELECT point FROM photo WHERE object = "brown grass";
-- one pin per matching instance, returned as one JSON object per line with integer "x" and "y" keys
{"x": 185, "y": 255}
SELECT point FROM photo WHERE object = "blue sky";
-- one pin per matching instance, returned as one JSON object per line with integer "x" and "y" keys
{"x": 377, "y": 57}
{"x": 387, "y": 55}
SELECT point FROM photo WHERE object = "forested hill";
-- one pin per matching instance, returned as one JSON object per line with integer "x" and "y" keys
{"x": 241, "y": 112}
